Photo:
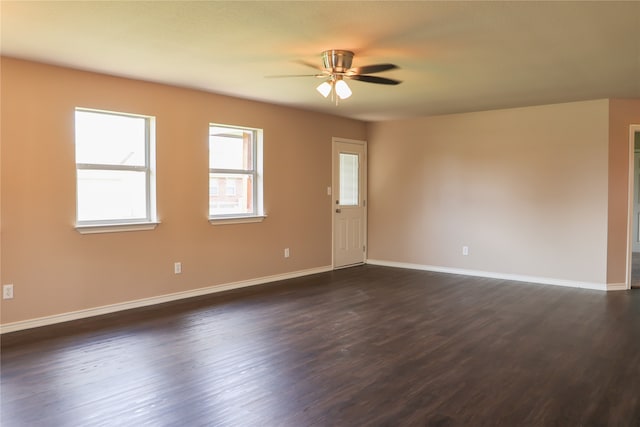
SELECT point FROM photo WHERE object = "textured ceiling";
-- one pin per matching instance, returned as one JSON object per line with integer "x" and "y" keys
{"x": 453, "y": 56}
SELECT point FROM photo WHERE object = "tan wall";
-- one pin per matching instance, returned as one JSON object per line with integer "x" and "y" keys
{"x": 56, "y": 270}
{"x": 622, "y": 114}
{"x": 525, "y": 189}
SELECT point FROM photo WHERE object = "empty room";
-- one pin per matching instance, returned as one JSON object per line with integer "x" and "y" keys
{"x": 353, "y": 213}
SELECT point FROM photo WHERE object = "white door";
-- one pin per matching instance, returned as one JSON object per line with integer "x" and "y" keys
{"x": 636, "y": 202}
{"x": 349, "y": 202}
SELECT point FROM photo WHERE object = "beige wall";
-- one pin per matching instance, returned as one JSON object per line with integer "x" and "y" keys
{"x": 525, "y": 189}
{"x": 537, "y": 191}
{"x": 622, "y": 114}
{"x": 56, "y": 270}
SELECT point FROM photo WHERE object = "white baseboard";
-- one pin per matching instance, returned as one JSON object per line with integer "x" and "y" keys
{"x": 617, "y": 287}
{"x": 502, "y": 276}
{"x": 105, "y": 309}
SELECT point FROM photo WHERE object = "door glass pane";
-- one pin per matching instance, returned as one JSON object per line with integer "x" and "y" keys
{"x": 349, "y": 184}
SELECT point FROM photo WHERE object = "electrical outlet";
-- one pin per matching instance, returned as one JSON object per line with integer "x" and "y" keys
{"x": 7, "y": 292}
{"x": 465, "y": 250}
{"x": 286, "y": 252}
{"x": 177, "y": 267}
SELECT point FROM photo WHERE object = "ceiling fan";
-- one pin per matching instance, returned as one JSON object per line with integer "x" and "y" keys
{"x": 336, "y": 67}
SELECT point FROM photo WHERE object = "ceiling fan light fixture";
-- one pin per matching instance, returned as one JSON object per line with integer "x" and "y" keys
{"x": 342, "y": 89}
{"x": 337, "y": 60}
{"x": 336, "y": 67}
{"x": 324, "y": 88}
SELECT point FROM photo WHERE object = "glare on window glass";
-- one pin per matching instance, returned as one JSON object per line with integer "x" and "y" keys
{"x": 111, "y": 195}
{"x": 110, "y": 139}
{"x": 230, "y": 149}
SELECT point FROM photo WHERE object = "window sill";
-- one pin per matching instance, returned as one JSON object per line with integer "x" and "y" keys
{"x": 116, "y": 228}
{"x": 236, "y": 220}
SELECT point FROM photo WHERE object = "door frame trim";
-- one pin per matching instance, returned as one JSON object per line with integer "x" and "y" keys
{"x": 365, "y": 174}
{"x": 633, "y": 129}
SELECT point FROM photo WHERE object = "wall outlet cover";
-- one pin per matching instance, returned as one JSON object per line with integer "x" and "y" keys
{"x": 7, "y": 291}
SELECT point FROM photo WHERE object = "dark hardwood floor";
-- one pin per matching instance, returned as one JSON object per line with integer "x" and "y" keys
{"x": 635, "y": 270}
{"x": 365, "y": 346}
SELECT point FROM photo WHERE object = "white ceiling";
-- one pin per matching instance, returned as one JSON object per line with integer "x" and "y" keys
{"x": 453, "y": 56}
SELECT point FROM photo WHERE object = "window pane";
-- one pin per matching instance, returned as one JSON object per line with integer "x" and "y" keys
{"x": 349, "y": 179}
{"x": 111, "y": 195}
{"x": 230, "y": 148}
{"x": 230, "y": 194}
{"x": 111, "y": 139}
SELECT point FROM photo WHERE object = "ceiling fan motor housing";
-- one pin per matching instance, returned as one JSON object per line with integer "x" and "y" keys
{"x": 337, "y": 61}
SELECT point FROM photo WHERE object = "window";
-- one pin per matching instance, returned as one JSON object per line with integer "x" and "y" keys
{"x": 114, "y": 169}
{"x": 235, "y": 178}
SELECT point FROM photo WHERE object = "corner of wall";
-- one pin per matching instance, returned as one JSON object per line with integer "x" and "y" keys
{"x": 622, "y": 113}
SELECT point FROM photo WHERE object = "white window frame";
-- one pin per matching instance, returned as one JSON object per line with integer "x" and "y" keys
{"x": 150, "y": 220}
{"x": 258, "y": 214}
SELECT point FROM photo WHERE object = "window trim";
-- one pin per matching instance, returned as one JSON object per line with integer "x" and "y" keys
{"x": 237, "y": 219}
{"x": 150, "y": 221}
{"x": 116, "y": 228}
{"x": 256, "y": 172}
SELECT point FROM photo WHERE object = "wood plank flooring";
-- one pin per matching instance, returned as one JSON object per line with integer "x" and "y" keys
{"x": 635, "y": 270}
{"x": 365, "y": 346}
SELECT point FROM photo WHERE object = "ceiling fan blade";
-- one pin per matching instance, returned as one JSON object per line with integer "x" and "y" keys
{"x": 309, "y": 64}
{"x": 374, "y": 79}
{"x": 280, "y": 76}
{"x": 370, "y": 69}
